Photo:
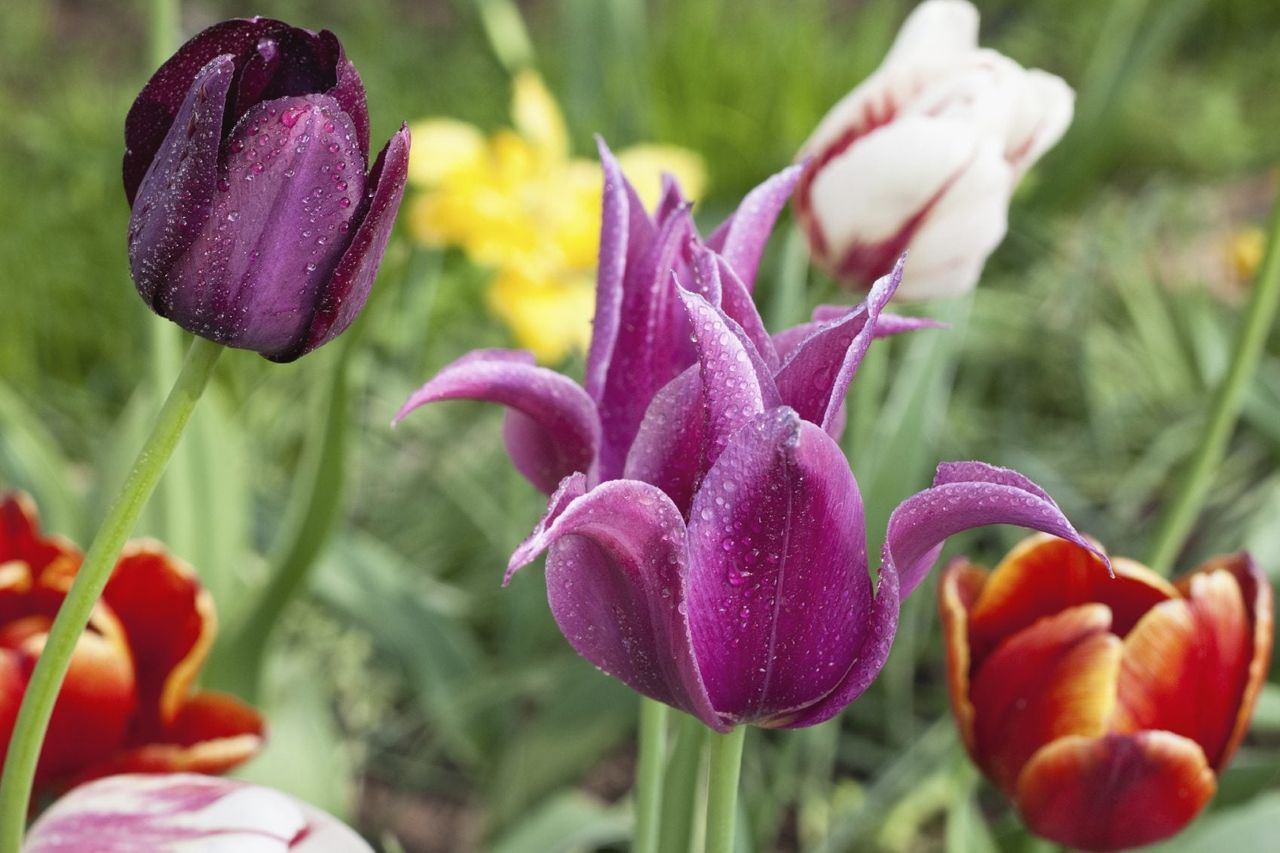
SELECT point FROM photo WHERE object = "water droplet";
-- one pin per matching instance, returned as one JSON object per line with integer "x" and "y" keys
{"x": 311, "y": 267}
{"x": 344, "y": 202}
{"x": 236, "y": 146}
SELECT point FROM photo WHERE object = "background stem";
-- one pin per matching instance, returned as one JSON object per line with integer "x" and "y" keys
{"x": 1180, "y": 514}
{"x": 73, "y": 615}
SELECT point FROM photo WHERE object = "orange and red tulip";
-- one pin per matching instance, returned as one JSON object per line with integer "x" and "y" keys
{"x": 128, "y": 703}
{"x": 1104, "y": 707}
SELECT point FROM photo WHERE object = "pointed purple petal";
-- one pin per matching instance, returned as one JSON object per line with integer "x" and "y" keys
{"x": 346, "y": 291}
{"x": 966, "y": 495}
{"x": 625, "y": 233}
{"x": 736, "y": 385}
{"x": 742, "y": 236}
{"x": 648, "y": 351}
{"x": 816, "y": 375}
{"x": 348, "y": 89}
{"x": 672, "y": 200}
{"x": 176, "y": 197}
{"x": 779, "y": 591}
{"x": 617, "y": 582}
{"x": 669, "y": 450}
{"x": 736, "y": 301}
{"x": 280, "y": 222}
{"x": 558, "y": 432}
{"x": 886, "y": 326}
{"x": 570, "y": 489}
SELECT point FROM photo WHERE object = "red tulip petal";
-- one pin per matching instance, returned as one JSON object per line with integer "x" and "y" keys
{"x": 1256, "y": 589}
{"x": 22, "y": 542}
{"x": 1044, "y": 575}
{"x": 1113, "y": 792}
{"x": 95, "y": 705}
{"x": 1186, "y": 663}
{"x": 959, "y": 587}
{"x": 170, "y": 621}
{"x": 1053, "y": 679}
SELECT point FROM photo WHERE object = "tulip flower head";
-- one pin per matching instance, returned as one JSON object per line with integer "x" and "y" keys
{"x": 257, "y": 221}
{"x": 185, "y": 812}
{"x": 706, "y": 538}
{"x": 925, "y": 155}
{"x": 1104, "y": 707}
{"x": 128, "y": 702}
{"x": 519, "y": 203}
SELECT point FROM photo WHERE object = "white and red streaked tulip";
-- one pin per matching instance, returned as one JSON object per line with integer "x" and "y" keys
{"x": 257, "y": 222}
{"x": 188, "y": 813}
{"x": 1104, "y": 707}
{"x": 706, "y": 539}
{"x": 924, "y": 156}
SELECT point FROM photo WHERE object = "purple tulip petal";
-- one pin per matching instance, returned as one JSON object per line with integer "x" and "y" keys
{"x": 736, "y": 385}
{"x": 816, "y": 375}
{"x": 647, "y": 352}
{"x": 307, "y": 65}
{"x": 348, "y": 89}
{"x": 669, "y": 450}
{"x": 176, "y": 197}
{"x": 964, "y": 495}
{"x": 737, "y": 304}
{"x": 779, "y": 591}
{"x": 625, "y": 233}
{"x": 671, "y": 202}
{"x": 967, "y": 495}
{"x": 886, "y": 326}
{"x": 570, "y": 489}
{"x": 348, "y": 288}
{"x": 617, "y": 583}
{"x": 558, "y": 430}
{"x": 279, "y": 225}
{"x": 742, "y": 236}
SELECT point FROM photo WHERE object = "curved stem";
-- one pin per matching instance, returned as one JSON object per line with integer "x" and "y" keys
{"x": 73, "y": 615}
{"x": 722, "y": 790}
{"x": 648, "y": 786}
{"x": 681, "y": 787}
{"x": 1224, "y": 411}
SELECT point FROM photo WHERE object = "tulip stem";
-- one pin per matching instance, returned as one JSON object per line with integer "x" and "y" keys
{"x": 73, "y": 615}
{"x": 1180, "y": 515}
{"x": 648, "y": 787}
{"x": 722, "y": 790}
{"x": 681, "y": 788}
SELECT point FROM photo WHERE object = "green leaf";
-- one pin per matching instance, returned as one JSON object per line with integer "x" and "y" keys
{"x": 567, "y": 823}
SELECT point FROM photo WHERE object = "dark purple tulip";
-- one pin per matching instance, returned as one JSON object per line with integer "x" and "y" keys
{"x": 256, "y": 220}
{"x": 707, "y": 542}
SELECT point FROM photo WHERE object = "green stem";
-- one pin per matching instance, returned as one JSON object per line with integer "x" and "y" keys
{"x": 722, "y": 790}
{"x": 1224, "y": 410}
{"x": 73, "y": 615}
{"x": 162, "y": 30}
{"x": 506, "y": 32}
{"x": 648, "y": 787}
{"x": 680, "y": 787}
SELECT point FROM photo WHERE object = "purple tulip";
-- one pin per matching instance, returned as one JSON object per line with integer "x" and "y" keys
{"x": 706, "y": 539}
{"x": 256, "y": 220}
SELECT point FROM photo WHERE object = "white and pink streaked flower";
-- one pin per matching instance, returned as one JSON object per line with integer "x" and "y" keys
{"x": 924, "y": 156}
{"x": 189, "y": 813}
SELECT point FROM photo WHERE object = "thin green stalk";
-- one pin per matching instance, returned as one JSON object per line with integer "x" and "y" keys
{"x": 73, "y": 616}
{"x": 504, "y": 28}
{"x": 162, "y": 30}
{"x": 1224, "y": 410}
{"x": 722, "y": 790}
{"x": 648, "y": 786}
{"x": 680, "y": 786}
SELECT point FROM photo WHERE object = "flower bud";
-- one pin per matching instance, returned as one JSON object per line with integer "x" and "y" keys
{"x": 924, "y": 155}
{"x": 257, "y": 222}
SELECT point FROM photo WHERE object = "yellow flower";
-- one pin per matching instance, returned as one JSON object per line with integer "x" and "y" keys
{"x": 1244, "y": 252}
{"x": 519, "y": 202}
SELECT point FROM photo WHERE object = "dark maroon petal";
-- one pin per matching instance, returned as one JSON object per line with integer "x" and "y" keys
{"x": 669, "y": 450}
{"x": 816, "y": 374}
{"x": 559, "y": 432}
{"x": 175, "y": 199}
{"x": 346, "y": 291}
{"x": 617, "y": 583}
{"x": 348, "y": 90}
{"x": 966, "y": 495}
{"x": 625, "y": 233}
{"x": 286, "y": 201}
{"x": 650, "y": 339}
{"x": 779, "y": 591}
{"x": 742, "y": 236}
{"x": 272, "y": 60}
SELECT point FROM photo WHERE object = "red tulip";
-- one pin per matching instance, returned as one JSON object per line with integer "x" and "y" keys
{"x": 128, "y": 702}
{"x": 1103, "y": 707}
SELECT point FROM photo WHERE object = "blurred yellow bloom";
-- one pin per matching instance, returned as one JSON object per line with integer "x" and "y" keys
{"x": 519, "y": 202}
{"x": 1244, "y": 252}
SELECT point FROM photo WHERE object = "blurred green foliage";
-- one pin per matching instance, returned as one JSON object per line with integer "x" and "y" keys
{"x": 442, "y": 712}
